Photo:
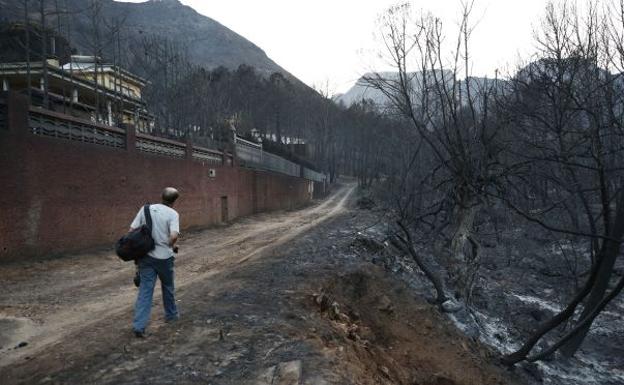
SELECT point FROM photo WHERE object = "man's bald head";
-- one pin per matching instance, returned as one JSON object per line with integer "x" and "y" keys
{"x": 169, "y": 195}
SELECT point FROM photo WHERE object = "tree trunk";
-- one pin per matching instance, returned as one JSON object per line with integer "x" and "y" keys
{"x": 465, "y": 217}
{"x": 605, "y": 271}
{"x": 583, "y": 322}
{"x": 595, "y": 286}
{"x": 406, "y": 244}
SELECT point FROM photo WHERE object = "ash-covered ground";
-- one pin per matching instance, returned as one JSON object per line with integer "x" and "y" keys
{"x": 525, "y": 278}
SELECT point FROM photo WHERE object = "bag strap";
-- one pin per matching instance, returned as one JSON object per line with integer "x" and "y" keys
{"x": 148, "y": 216}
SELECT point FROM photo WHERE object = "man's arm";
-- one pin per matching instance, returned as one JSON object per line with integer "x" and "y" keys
{"x": 173, "y": 238}
{"x": 136, "y": 223}
{"x": 174, "y": 230}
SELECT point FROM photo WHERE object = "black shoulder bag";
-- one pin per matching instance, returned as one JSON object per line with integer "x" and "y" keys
{"x": 137, "y": 243}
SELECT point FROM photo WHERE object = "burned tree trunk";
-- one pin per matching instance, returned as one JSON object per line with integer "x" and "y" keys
{"x": 610, "y": 253}
{"x": 406, "y": 244}
{"x": 595, "y": 287}
{"x": 464, "y": 247}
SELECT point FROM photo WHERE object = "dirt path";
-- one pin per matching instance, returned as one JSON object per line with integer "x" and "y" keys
{"x": 41, "y": 303}
{"x": 286, "y": 298}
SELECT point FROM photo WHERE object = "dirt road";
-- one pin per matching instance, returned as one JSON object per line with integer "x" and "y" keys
{"x": 44, "y": 302}
{"x": 249, "y": 314}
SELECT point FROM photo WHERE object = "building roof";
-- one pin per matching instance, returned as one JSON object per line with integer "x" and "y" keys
{"x": 89, "y": 67}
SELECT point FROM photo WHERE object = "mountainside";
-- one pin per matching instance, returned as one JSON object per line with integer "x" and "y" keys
{"x": 207, "y": 42}
{"x": 361, "y": 91}
{"x": 364, "y": 90}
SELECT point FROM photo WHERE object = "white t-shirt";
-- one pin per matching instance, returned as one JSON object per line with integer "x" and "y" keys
{"x": 165, "y": 221}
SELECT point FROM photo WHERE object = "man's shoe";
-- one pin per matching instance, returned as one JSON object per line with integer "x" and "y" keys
{"x": 140, "y": 334}
{"x": 172, "y": 320}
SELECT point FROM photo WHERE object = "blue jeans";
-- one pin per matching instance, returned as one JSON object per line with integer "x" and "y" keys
{"x": 149, "y": 269}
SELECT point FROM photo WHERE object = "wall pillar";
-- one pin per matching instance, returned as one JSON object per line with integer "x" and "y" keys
{"x": 254, "y": 193}
{"x": 189, "y": 148}
{"x": 130, "y": 138}
{"x": 232, "y": 143}
{"x": 17, "y": 114}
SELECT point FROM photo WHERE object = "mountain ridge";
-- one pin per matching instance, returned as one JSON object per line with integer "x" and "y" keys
{"x": 363, "y": 90}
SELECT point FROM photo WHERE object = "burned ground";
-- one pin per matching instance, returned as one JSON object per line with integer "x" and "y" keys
{"x": 311, "y": 309}
{"x": 526, "y": 277}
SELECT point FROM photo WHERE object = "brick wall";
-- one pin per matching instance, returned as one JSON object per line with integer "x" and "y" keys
{"x": 62, "y": 196}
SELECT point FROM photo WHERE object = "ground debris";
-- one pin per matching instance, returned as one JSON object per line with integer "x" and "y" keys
{"x": 439, "y": 379}
{"x": 385, "y": 305}
{"x": 451, "y": 306}
{"x": 289, "y": 373}
{"x": 368, "y": 243}
{"x": 266, "y": 378}
{"x": 327, "y": 305}
{"x": 365, "y": 203}
{"x": 285, "y": 373}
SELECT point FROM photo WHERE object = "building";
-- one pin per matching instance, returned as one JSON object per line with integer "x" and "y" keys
{"x": 85, "y": 88}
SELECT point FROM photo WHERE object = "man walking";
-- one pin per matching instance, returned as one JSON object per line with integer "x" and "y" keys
{"x": 158, "y": 262}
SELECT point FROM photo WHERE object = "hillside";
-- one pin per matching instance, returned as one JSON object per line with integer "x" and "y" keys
{"x": 208, "y": 43}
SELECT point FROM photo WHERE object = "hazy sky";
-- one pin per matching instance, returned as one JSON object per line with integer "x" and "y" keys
{"x": 332, "y": 41}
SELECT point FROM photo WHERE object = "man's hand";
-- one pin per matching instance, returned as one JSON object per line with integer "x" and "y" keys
{"x": 173, "y": 238}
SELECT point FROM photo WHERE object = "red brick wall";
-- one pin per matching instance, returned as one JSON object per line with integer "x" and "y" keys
{"x": 60, "y": 196}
